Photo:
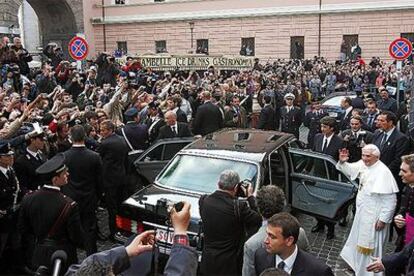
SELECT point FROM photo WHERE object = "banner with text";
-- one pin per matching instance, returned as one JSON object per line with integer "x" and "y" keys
{"x": 196, "y": 62}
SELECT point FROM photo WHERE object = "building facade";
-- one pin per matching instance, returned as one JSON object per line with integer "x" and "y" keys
{"x": 9, "y": 22}
{"x": 265, "y": 28}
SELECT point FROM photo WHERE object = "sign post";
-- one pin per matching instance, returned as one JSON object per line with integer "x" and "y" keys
{"x": 400, "y": 49}
{"x": 78, "y": 48}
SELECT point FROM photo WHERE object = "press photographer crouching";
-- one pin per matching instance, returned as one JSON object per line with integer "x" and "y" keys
{"x": 227, "y": 223}
{"x": 182, "y": 260}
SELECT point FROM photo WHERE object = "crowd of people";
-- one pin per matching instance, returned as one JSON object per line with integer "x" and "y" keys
{"x": 65, "y": 135}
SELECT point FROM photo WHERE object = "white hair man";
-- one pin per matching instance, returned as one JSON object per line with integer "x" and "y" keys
{"x": 375, "y": 204}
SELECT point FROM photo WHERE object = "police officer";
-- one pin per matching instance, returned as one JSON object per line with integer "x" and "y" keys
{"x": 9, "y": 203}
{"x": 291, "y": 116}
{"x": 51, "y": 217}
{"x": 27, "y": 163}
{"x": 135, "y": 133}
{"x": 312, "y": 120}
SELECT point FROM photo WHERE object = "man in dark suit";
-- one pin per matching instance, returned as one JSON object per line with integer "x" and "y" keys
{"x": 85, "y": 183}
{"x": 154, "y": 121}
{"x": 392, "y": 143}
{"x": 268, "y": 118}
{"x": 329, "y": 143}
{"x": 312, "y": 121}
{"x": 370, "y": 115}
{"x": 346, "y": 104}
{"x": 291, "y": 116}
{"x": 235, "y": 115}
{"x": 173, "y": 128}
{"x": 134, "y": 133}
{"x": 224, "y": 222}
{"x": 386, "y": 103}
{"x": 114, "y": 154}
{"x": 281, "y": 251}
{"x": 208, "y": 117}
{"x": 27, "y": 163}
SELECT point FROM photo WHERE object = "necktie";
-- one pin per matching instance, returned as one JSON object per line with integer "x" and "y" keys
{"x": 370, "y": 120}
{"x": 281, "y": 265}
{"x": 174, "y": 131}
{"x": 384, "y": 139}
{"x": 9, "y": 174}
{"x": 325, "y": 144}
{"x": 38, "y": 157}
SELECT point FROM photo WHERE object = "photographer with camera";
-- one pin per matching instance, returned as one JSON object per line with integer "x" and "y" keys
{"x": 226, "y": 225}
{"x": 182, "y": 260}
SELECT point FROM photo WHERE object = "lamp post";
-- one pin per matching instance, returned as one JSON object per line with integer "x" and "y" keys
{"x": 192, "y": 35}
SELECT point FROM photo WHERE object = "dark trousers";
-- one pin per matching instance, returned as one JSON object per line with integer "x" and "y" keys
{"x": 88, "y": 221}
{"x": 330, "y": 225}
{"x": 113, "y": 198}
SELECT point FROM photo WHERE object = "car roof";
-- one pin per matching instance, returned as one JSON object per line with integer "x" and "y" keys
{"x": 252, "y": 143}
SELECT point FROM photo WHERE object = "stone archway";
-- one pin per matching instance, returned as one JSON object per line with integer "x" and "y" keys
{"x": 59, "y": 20}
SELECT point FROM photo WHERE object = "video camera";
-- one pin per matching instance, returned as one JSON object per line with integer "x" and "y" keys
{"x": 244, "y": 184}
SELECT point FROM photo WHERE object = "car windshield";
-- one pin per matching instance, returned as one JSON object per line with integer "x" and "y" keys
{"x": 200, "y": 174}
{"x": 336, "y": 101}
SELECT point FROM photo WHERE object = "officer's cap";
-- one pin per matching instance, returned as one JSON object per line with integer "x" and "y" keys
{"x": 289, "y": 96}
{"x": 132, "y": 112}
{"x": 5, "y": 149}
{"x": 53, "y": 166}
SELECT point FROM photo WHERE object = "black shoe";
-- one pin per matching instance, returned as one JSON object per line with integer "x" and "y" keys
{"x": 343, "y": 222}
{"x": 318, "y": 228}
{"x": 330, "y": 235}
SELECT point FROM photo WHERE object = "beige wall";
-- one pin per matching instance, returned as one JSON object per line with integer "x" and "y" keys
{"x": 272, "y": 23}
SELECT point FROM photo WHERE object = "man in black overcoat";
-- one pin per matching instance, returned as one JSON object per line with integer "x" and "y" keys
{"x": 208, "y": 117}
{"x": 85, "y": 183}
{"x": 268, "y": 118}
{"x": 225, "y": 221}
{"x": 114, "y": 154}
{"x": 291, "y": 116}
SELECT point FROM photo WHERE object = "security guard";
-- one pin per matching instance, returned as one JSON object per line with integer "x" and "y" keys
{"x": 9, "y": 203}
{"x": 291, "y": 116}
{"x": 312, "y": 120}
{"x": 27, "y": 163}
{"x": 51, "y": 217}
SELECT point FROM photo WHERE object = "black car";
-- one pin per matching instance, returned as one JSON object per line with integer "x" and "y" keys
{"x": 310, "y": 180}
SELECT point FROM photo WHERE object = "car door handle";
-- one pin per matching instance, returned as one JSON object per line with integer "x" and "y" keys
{"x": 326, "y": 200}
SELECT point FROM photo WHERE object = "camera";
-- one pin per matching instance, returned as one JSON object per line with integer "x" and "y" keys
{"x": 163, "y": 208}
{"x": 244, "y": 184}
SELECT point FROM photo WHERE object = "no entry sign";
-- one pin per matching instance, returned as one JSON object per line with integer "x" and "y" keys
{"x": 78, "y": 48}
{"x": 400, "y": 49}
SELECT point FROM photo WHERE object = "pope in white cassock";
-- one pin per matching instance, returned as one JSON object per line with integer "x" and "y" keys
{"x": 375, "y": 204}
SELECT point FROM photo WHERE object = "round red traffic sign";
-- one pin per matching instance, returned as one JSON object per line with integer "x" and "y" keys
{"x": 400, "y": 49}
{"x": 78, "y": 48}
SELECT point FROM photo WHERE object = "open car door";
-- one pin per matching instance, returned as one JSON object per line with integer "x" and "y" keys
{"x": 317, "y": 187}
{"x": 154, "y": 159}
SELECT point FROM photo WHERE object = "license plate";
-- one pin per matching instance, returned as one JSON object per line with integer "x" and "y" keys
{"x": 164, "y": 236}
{"x": 333, "y": 114}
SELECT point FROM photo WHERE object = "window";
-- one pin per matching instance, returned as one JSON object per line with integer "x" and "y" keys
{"x": 171, "y": 149}
{"x": 309, "y": 165}
{"x": 297, "y": 47}
{"x": 160, "y": 46}
{"x": 154, "y": 154}
{"x": 159, "y": 0}
{"x": 202, "y": 46}
{"x": 119, "y": 2}
{"x": 349, "y": 42}
{"x": 247, "y": 46}
{"x": 122, "y": 47}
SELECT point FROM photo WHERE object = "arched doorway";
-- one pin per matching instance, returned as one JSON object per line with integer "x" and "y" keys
{"x": 58, "y": 20}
